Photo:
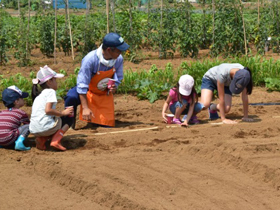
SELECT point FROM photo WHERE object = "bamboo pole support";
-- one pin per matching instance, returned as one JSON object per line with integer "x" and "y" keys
{"x": 55, "y": 31}
{"x": 114, "y": 15}
{"x": 130, "y": 15}
{"x": 70, "y": 32}
{"x": 258, "y": 12}
{"x": 28, "y": 28}
{"x": 107, "y": 13}
{"x": 161, "y": 25}
{"x": 244, "y": 30}
{"x": 213, "y": 26}
{"x": 19, "y": 8}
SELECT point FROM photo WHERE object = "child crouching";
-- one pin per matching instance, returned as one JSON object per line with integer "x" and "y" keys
{"x": 46, "y": 122}
{"x": 14, "y": 122}
{"x": 182, "y": 100}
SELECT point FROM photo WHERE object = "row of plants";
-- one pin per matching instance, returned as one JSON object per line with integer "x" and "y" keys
{"x": 225, "y": 27}
{"x": 153, "y": 84}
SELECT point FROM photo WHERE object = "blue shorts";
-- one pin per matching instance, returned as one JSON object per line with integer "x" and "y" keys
{"x": 197, "y": 107}
{"x": 208, "y": 84}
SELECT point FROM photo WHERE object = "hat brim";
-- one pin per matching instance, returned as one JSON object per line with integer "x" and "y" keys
{"x": 123, "y": 47}
{"x": 59, "y": 75}
{"x": 24, "y": 95}
{"x": 184, "y": 92}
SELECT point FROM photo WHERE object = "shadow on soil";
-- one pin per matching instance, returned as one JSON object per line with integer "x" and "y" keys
{"x": 69, "y": 142}
{"x": 118, "y": 124}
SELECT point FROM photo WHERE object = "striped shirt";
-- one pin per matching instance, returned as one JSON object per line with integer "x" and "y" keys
{"x": 10, "y": 121}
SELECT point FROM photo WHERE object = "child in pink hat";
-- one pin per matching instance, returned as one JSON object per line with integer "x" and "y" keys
{"x": 183, "y": 100}
{"x": 46, "y": 122}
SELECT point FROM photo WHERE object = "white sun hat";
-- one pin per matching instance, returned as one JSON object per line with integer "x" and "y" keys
{"x": 186, "y": 83}
{"x": 45, "y": 74}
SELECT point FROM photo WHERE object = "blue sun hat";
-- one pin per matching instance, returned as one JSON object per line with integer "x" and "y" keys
{"x": 115, "y": 40}
{"x": 240, "y": 80}
{"x": 12, "y": 93}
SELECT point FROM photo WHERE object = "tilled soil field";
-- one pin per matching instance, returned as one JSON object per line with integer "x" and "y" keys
{"x": 144, "y": 163}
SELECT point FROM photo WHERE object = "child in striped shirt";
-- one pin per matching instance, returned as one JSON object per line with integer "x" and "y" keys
{"x": 14, "y": 122}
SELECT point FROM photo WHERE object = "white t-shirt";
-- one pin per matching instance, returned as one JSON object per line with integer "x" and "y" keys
{"x": 222, "y": 73}
{"x": 40, "y": 121}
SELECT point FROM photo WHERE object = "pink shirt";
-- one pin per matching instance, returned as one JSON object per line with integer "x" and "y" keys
{"x": 174, "y": 96}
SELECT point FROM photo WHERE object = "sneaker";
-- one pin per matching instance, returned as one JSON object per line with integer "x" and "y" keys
{"x": 177, "y": 121}
{"x": 184, "y": 118}
{"x": 213, "y": 115}
{"x": 194, "y": 120}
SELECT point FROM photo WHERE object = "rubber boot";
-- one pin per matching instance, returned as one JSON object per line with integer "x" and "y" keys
{"x": 40, "y": 142}
{"x": 56, "y": 140}
{"x": 19, "y": 144}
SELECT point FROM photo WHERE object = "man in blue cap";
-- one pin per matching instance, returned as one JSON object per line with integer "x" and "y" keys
{"x": 91, "y": 92}
{"x": 14, "y": 122}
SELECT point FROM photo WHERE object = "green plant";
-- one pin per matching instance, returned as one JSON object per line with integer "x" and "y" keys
{"x": 228, "y": 36}
{"x": 272, "y": 84}
{"x": 46, "y": 34}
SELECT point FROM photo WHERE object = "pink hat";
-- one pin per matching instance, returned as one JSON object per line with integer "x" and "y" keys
{"x": 186, "y": 83}
{"x": 45, "y": 74}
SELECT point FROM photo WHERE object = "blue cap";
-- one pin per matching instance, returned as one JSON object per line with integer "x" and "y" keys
{"x": 12, "y": 93}
{"x": 240, "y": 80}
{"x": 115, "y": 40}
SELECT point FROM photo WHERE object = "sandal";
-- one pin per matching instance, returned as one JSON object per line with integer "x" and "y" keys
{"x": 177, "y": 121}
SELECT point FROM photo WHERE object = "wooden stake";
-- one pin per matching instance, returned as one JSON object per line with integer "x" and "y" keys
{"x": 130, "y": 15}
{"x": 70, "y": 32}
{"x": 213, "y": 10}
{"x": 19, "y": 8}
{"x": 161, "y": 24}
{"x": 258, "y": 12}
{"x": 244, "y": 30}
{"x": 107, "y": 13}
{"x": 27, "y": 38}
{"x": 55, "y": 31}
{"x": 113, "y": 13}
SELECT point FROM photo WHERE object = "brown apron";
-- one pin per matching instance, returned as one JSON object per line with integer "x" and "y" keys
{"x": 99, "y": 101}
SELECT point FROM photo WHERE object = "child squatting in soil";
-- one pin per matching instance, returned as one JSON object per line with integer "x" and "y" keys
{"x": 46, "y": 122}
{"x": 14, "y": 122}
{"x": 183, "y": 100}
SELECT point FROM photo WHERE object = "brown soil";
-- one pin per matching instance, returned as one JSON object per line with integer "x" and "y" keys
{"x": 144, "y": 164}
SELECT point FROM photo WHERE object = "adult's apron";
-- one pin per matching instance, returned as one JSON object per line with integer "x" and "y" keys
{"x": 99, "y": 101}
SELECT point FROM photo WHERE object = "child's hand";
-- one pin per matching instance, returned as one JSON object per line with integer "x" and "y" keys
{"x": 247, "y": 119}
{"x": 164, "y": 118}
{"x": 68, "y": 111}
{"x": 184, "y": 124}
{"x": 227, "y": 121}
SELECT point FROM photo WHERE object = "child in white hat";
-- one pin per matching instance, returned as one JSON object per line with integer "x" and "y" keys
{"x": 47, "y": 122}
{"x": 14, "y": 122}
{"x": 183, "y": 100}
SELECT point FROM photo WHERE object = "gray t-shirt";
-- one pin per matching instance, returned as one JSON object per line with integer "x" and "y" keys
{"x": 222, "y": 73}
